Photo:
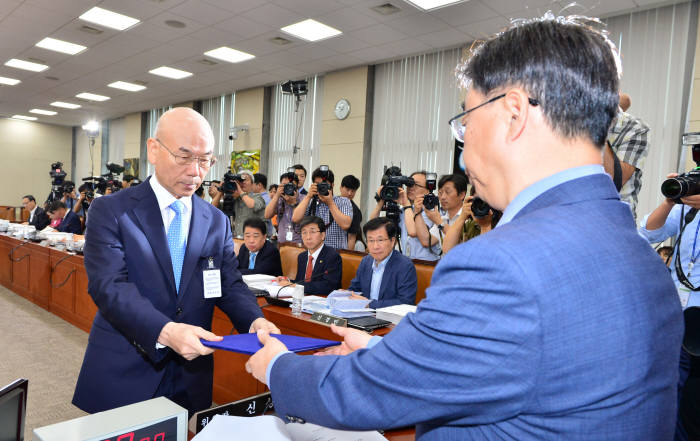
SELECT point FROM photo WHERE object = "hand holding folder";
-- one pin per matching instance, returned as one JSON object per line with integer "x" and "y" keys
{"x": 250, "y": 344}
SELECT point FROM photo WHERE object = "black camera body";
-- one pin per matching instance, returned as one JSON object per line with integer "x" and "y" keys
{"x": 430, "y": 200}
{"x": 229, "y": 184}
{"x": 68, "y": 187}
{"x": 323, "y": 187}
{"x": 289, "y": 189}
{"x": 480, "y": 208}
{"x": 392, "y": 182}
{"x": 686, "y": 184}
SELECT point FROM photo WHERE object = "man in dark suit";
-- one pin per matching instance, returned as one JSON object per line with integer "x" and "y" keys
{"x": 319, "y": 268}
{"x": 148, "y": 251}
{"x": 258, "y": 255}
{"x": 70, "y": 222}
{"x": 385, "y": 276}
{"x": 37, "y": 215}
{"x": 525, "y": 333}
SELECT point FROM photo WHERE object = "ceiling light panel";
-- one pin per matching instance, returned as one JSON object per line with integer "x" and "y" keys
{"x": 109, "y": 19}
{"x": 92, "y": 96}
{"x": 64, "y": 47}
{"x": 24, "y": 117}
{"x": 227, "y": 54}
{"x": 428, "y": 5}
{"x": 43, "y": 112}
{"x": 26, "y": 65}
{"x": 65, "y": 105}
{"x": 123, "y": 85}
{"x": 311, "y": 30}
{"x": 169, "y": 72}
{"x": 9, "y": 81}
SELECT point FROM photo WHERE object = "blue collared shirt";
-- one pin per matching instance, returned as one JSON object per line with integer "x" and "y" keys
{"x": 530, "y": 193}
{"x": 377, "y": 275}
{"x": 671, "y": 228}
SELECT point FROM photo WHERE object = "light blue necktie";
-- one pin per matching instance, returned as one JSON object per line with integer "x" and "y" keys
{"x": 251, "y": 263}
{"x": 177, "y": 242}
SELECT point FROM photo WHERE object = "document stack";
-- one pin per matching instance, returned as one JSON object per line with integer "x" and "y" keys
{"x": 395, "y": 313}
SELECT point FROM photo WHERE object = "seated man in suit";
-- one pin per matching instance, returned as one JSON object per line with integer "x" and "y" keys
{"x": 69, "y": 221}
{"x": 319, "y": 268}
{"x": 523, "y": 333}
{"x": 258, "y": 255}
{"x": 385, "y": 276}
{"x": 37, "y": 215}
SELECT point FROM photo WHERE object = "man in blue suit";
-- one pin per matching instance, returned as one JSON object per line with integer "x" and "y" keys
{"x": 147, "y": 251}
{"x": 561, "y": 323}
{"x": 319, "y": 268}
{"x": 385, "y": 276}
{"x": 258, "y": 255}
{"x": 70, "y": 222}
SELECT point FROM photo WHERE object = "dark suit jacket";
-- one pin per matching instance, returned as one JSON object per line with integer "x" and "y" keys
{"x": 130, "y": 278}
{"x": 266, "y": 262}
{"x": 70, "y": 224}
{"x": 327, "y": 273}
{"x": 399, "y": 281}
{"x": 562, "y": 324}
{"x": 41, "y": 219}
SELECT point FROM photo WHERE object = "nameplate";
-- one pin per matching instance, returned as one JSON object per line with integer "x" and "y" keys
{"x": 327, "y": 319}
{"x": 247, "y": 407}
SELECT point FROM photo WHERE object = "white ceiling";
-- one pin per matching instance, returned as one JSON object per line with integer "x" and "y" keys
{"x": 248, "y": 25}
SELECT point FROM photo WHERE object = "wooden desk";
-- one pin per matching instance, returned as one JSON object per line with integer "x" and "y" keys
{"x": 57, "y": 281}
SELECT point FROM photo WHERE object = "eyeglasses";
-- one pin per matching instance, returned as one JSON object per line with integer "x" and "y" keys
{"x": 458, "y": 127}
{"x": 377, "y": 241}
{"x": 309, "y": 232}
{"x": 203, "y": 161}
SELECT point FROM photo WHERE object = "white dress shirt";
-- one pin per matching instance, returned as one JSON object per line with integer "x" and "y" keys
{"x": 31, "y": 215}
{"x": 165, "y": 198}
{"x": 315, "y": 256}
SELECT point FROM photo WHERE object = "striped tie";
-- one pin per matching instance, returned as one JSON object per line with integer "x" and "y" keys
{"x": 177, "y": 242}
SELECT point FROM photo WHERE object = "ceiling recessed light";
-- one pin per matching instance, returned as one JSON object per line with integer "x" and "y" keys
{"x": 65, "y": 105}
{"x": 311, "y": 30}
{"x": 24, "y": 117}
{"x": 109, "y": 19}
{"x": 427, "y": 5}
{"x": 92, "y": 96}
{"x": 26, "y": 65}
{"x": 9, "y": 81}
{"x": 65, "y": 47}
{"x": 43, "y": 112}
{"x": 227, "y": 54}
{"x": 131, "y": 87}
{"x": 169, "y": 72}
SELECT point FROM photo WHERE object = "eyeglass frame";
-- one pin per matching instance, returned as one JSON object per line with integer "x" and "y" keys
{"x": 190, "y": 159}
{"x": 458, "y": 118}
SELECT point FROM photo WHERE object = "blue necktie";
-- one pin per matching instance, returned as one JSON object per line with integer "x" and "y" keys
{"x": 251, "y": 263}
{"x": 177, "y": 242}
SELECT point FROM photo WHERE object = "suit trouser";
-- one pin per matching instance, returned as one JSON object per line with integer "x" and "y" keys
{"x": 169, "y": 389}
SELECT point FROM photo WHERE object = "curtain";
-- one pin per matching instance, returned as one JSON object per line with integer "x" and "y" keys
{"x": 414, "y": 98}
{"x": 295, "y": 123}
{"x": 654, "y": 46}
{"x": 151, "y": 121}
{"x": 219, "y": 111}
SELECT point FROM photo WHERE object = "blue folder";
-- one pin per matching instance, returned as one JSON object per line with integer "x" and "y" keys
{"x": 249, "y": 343}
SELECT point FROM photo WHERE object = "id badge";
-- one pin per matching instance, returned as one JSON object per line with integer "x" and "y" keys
{"x": 683, "y": 295}
{"x": 211, "y": 278}
{"x": 289, "y": 236}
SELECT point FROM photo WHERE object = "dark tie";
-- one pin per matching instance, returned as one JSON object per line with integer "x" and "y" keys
{"x": 309, "y": 269}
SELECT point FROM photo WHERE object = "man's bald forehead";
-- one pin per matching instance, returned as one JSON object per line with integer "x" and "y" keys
{"x": 180, "y": 117}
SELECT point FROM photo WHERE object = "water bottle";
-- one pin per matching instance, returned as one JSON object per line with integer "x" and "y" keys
{"x": 297, "y": 299}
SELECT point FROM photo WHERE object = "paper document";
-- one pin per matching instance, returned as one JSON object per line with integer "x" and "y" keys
{"x": 257, "y": 278}
{"x": 271, "y": 428}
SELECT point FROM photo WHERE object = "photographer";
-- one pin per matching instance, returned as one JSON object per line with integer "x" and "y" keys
{"x": 68, "y": 197}
{"x": 451, "y": 190}
{"x": 282, "y": 204}
{"x": 348, "y": 189}
{"x": 466, "y": 226}
{"x": 246, "y": 203}
{"x": 336, "y": 211}
{"x": 411, "y": 202}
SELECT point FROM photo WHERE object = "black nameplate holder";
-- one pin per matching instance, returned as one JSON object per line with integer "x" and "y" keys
{"x": 327, "y": 319}
{"x": 248, "y": 407}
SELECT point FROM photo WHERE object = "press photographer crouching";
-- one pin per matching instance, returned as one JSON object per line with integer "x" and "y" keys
{"x": 407, "y": 202}
{"x": 677, "y": 217}
{"x": 335, "y": 211}
{"x": 69, "y": 222}
{"x": 282, "y": 204}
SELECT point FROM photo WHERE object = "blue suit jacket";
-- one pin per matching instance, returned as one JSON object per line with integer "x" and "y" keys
{"x": 399, "y": 281}
{"x": 130, "y": 278}
{"x": 560, "y": 325}
{"x": 70, "y": 224}
{"x": 327, "y": 273}
{"x": 266, "y": 262}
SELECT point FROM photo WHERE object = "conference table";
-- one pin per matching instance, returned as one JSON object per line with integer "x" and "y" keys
{"x": 56, "y": 280}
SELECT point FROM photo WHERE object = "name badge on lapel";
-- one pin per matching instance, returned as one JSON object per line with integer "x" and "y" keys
{"x": 211, "y": 278}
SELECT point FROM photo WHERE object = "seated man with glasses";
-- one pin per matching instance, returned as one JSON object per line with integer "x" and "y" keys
{"x": 258, "y": 255}
{"x": 385, "y": 276}
{"x": 319, "y": 268}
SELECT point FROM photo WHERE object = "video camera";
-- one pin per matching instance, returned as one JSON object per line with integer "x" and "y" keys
{"x": 110, "y": 180}
{"x": 430, "y": 200}
{"x": 229, "y": 184}
{"x": 58, "y": 175}
{"x": 686, "y": 184}
{"x": 392, "y": 181}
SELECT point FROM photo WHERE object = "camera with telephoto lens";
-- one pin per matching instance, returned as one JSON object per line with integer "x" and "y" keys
{"x": 480, "y": 208}
{"x": 58, "y": 175}
{"x": 430, "y": 200}
{"x": 323, "y": 187}
{"x": 686, "y": 184}
{"x": 111, "y": 182}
